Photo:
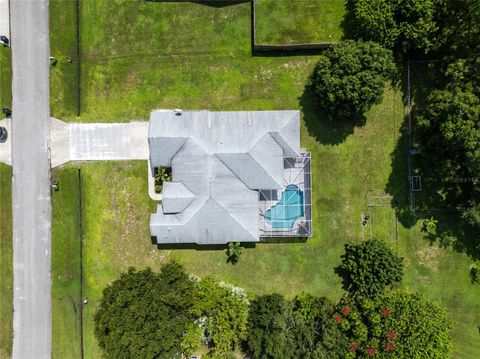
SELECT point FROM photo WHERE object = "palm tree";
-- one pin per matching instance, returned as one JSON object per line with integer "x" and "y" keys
{"x": 162, "y": 175}
{"x": 430, "y": 225}
{"x": 233, "y": 252}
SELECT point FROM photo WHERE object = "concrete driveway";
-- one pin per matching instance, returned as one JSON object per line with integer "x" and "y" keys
{"x": 97, "y": 141}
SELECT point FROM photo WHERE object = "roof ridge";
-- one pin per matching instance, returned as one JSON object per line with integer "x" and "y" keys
{"x": 263, "y": 168}
{"x": 218, "y": 155}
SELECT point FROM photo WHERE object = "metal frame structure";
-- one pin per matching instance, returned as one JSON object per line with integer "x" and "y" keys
{"x": 297, "y": 171}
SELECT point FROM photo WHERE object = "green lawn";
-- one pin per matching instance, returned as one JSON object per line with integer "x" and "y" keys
{"x": 66, "y": 241}
{"x": 286, "y": 22}
{"x": 6, "y": 257}
{"x": 63, "y": 44}
{"x": 184, "y": 55}
{"x": 6, "y": 277}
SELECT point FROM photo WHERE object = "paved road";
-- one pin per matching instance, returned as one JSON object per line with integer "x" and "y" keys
{"x": 31, "y": 180}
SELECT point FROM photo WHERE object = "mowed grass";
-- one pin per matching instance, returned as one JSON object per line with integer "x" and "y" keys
{"x": 6, "y": 248}
{"x": 286, "y": 22}
{"x": 164, "y": 55}
{"x": 184, "y": 55}
{"x": 6, "y": 257}
{"x": 63, "y": 46}
{"x": 66, "y": 279}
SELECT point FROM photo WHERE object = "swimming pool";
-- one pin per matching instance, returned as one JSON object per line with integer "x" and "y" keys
{"x": 287, "y": 210}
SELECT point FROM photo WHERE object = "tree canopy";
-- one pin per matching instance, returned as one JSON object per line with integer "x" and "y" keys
{"x": 350, "y": 77}
{"x": 406, "y": 24}
{"x": 448, "y": 129}
{"x": 270, "y": 332}
{"x": 367, "y": 268}
{"x": 398, "y": 325}
{"x": 422, "y": 327}
{"x": 224, "y": 310}
{"x": 145, "y": 315}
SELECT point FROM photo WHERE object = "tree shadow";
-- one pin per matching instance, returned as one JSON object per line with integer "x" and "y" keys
{"x": 323, "y": 128}
{"x": 348, "y": 22}
{"x": 436, "y": 198}
{"x": 397, "y": 185}
{"x": 452, "y": 232}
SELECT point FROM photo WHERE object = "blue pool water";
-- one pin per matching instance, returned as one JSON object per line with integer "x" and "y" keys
{"x": 287, "y": 210}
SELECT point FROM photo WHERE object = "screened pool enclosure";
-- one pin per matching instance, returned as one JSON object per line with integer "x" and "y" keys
{"x": 288, "y": 212}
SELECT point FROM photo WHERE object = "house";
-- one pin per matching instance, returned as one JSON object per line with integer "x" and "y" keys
{"x": 236, "y": 176}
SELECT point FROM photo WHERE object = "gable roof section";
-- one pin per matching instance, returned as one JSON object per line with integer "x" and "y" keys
{"x": 192, "y": 167}
{"x": 175, "y": 197}
{"x": 269, "y": 154}
{"x": 162, "y": 150}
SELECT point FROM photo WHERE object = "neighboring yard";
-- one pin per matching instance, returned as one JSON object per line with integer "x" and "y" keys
{"x": 184, "y": 55}
{"x": 286, "y": 22}
{"x": 6, "y": 277}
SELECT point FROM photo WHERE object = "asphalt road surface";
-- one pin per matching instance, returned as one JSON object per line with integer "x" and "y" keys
{"x": 31, "y": 179}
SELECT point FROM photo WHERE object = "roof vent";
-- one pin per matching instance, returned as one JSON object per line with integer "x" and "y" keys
{"x": 178, "y": 112}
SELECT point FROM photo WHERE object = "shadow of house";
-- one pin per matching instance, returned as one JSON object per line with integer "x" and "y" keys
{"x": 275, "y": 240}
{"x": 323, "y": 128}
{"x": 198, "y": 247}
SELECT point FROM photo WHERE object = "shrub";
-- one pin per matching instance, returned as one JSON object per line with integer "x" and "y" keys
{"x": 367, "y": 268}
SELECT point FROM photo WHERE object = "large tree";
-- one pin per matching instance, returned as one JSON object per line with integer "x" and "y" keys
{"x": 301, "y": 328}
{"x": 350, "y": 77}
{"x": 406, "y": 24}
{"x": 398, "y": 326}
{"x": 422, "y": 328}
{"x": 224, "y": 312}
{"x": 369, "y": 267}
{"x": 448, "y": 131}
{"x": 145, "y": 315}
{"x": 270, "y": 328}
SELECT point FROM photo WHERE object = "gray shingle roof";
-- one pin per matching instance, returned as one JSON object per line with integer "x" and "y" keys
{"x": 218, "y": 160}
{"x": 175, "y": 197}
{"x": 250, "y": 172}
